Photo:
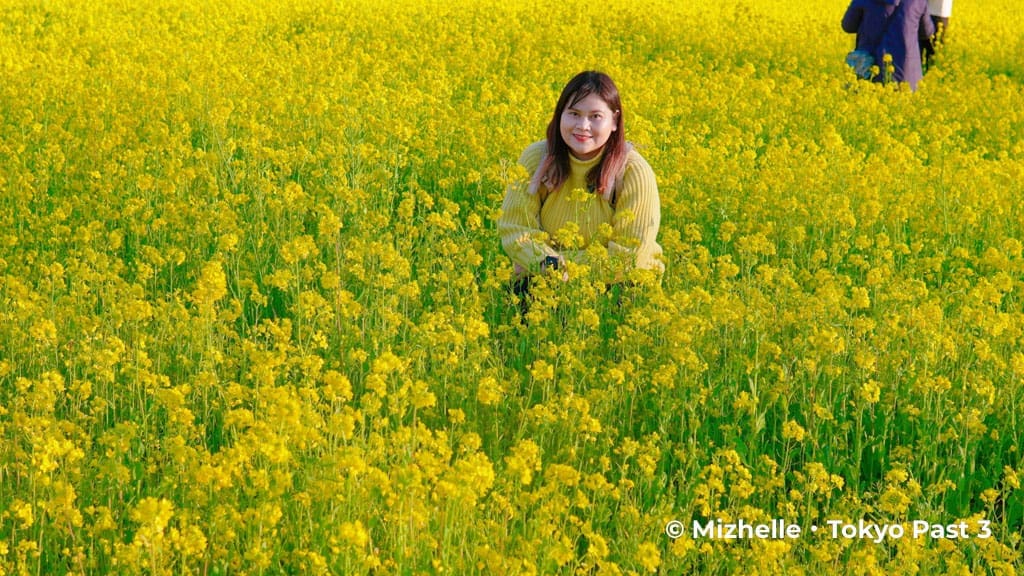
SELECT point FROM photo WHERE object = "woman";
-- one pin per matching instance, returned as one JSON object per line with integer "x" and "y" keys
{"x": 893, "y": 27}
{"x": 585, "y": 181}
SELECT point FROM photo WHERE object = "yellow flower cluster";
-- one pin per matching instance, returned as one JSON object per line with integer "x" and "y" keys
{"x": 254, "y": 315}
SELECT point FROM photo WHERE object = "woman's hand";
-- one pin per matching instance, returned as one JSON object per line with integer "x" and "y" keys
{"x": 558, "y": 264}
{"x": 553, "y": 264}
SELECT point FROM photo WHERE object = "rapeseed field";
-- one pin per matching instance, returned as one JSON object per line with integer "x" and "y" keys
{"x": 254, "y": 318}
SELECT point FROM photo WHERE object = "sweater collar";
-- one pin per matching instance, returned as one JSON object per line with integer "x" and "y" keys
{"x": 575, "y": 164}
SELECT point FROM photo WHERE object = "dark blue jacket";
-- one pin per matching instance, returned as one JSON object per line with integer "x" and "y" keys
{"x": 893, "y": 27}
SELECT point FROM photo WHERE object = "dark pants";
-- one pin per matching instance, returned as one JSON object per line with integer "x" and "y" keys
{"x": 520, "y": 288}
{"x": 929, "y": 45}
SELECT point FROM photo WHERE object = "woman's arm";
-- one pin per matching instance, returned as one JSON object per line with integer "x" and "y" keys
{"x": 519, "y": 226}
{"x": 637, "y": 218}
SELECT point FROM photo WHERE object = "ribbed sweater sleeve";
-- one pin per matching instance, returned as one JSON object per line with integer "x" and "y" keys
{"x": 638, "y": 216}
{"x": 519, "y": 226}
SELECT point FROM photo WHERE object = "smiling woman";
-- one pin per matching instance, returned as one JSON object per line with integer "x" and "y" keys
{"x": 545, "y": 223}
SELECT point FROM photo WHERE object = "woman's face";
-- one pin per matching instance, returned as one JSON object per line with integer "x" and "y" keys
{"x": 586, "y": 126}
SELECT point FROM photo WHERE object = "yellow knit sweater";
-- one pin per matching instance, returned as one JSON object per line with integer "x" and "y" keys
{"x": 569, "y": 221}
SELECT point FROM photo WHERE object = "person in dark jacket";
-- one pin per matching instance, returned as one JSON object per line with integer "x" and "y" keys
{"x": 893, "y": 27}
